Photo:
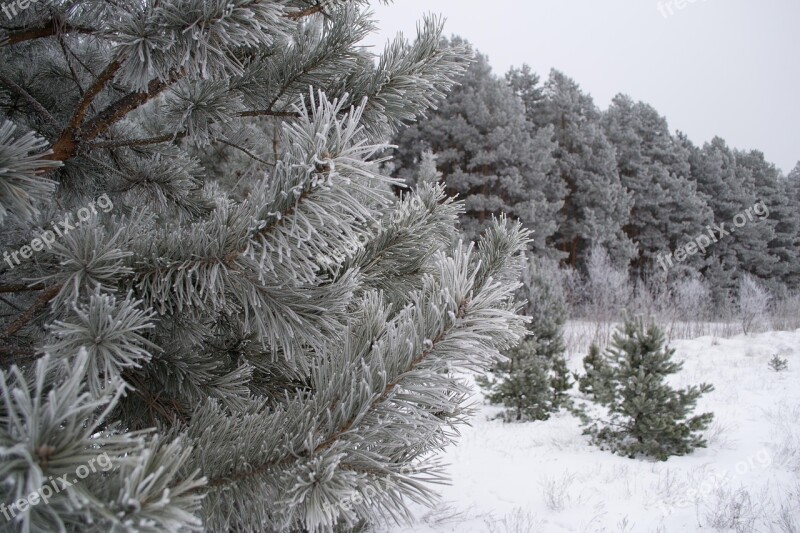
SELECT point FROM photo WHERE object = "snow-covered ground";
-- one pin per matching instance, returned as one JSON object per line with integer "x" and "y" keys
{"x": 546, "y": 477}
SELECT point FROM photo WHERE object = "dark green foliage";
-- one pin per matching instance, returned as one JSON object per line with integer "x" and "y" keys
{"x": 777, "y": 364}
{"x": 488, "y": 154}
{"x": 778, "y": 217}
{"x": 522, "y": 384}
{"x": 654, "y": 167}
{"x": 560, "y": 380}
{"x": 729, "y": 183}
{"x": 535, "y": 380}
{"x": 645, "y": 415}
{"x": 583, "y": 178}
{"x": 597, "y": 206}
{"x": 595, "y": 381}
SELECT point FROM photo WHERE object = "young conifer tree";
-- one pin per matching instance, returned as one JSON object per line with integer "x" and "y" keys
{"x": 534, "y": 380}
{"x": 209, "y": 282}
{"x": 595, "y": 381}
{"x": 646, "y": 416}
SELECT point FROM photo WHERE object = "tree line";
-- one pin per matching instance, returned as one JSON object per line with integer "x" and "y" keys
{"x": 541, "y": 151}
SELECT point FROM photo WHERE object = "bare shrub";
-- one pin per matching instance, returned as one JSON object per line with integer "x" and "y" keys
{"x": 788, "y": 449}
{"x": 787, "y": 521}
{"x": 754, "y": 301}
{"x": 608, "y": 291}
{"x": 556, "y": 491}
{"x": 731, "y": 509}
{"x": 574, "y": 289}
{"x": 786, "y": 312}
{"x": 643, "y": 301}
{"x": 691, "y": 296}
{"x": 717, "y": 436}
{"x": 518, "y": 521}
{"x": 445, "y": 513}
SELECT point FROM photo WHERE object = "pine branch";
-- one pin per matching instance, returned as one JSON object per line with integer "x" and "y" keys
{"x": 43, "y": 299}
{"x": 67, "y": 145}
{"x": 101, "y": 81}
{"x": 285, "y": 87}
{"x": 390, "y": 386}
{"x": 30, "y": 99}
{"x": 19, "y": 287}
{"x": 167, "y": 137}
{"x": 313, "y": 10}
{"x": 116, "y": 111}
{"x": 50, "y": 28}
{"x": 245, "y": 151}
{"x": 268, "y": 113}
{"x": 342, "y": 430}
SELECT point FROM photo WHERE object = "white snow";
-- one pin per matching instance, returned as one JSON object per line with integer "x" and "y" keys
{"x": 546, "y": 477}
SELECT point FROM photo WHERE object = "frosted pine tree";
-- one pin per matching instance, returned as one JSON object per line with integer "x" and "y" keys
{"x": 597, "y": 206}
{"x": 488, "y": 155}
{"x": 208, "y": 278}
{"x": 777, "y": 210}
{"x": 654, "y": 168}
{"x": 730, "y": 188}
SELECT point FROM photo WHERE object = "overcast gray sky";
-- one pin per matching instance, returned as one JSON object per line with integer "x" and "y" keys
{"x": 715, "y": 67}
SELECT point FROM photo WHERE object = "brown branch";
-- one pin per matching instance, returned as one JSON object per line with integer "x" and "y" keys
{"x": 167, "y": 137}
{"x": 268, "y": 113}
{"x": 14, "y": 354}
{"x": 50, "y": 28}
{"x": 116, "y": 111}
{"x": 246, "y": 151}
{"x": 30, "y": 99}
{"x": 67, "y": 145}
{"x": 305, "y": 12}
{"x": 43, "y": 299}
{"x": 109, "y": 72}
{"x": 19, "y": 287}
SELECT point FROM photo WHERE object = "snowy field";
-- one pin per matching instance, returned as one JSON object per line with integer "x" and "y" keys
{"x": 546, "y": 477}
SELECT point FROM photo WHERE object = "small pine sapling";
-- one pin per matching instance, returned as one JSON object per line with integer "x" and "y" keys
{"x": 534, "y": 382}
{"x": 522, "y": 384}
{"x": 595, "y": 382}
{"x": 777, "y": 364}
{"x": 645, "y": 415}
